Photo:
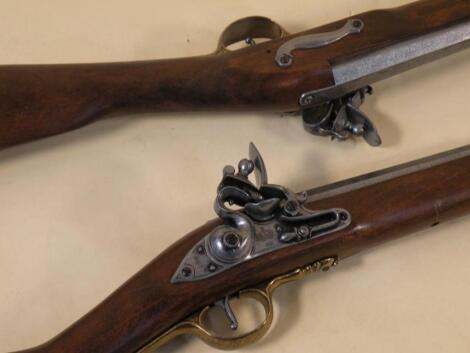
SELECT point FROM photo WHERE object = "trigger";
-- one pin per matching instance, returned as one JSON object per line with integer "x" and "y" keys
{"x": 225, "y": 305}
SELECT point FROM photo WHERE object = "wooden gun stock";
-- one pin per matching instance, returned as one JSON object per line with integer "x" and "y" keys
{"x": 43, "y": 100}
{"x": 382, "y": 206}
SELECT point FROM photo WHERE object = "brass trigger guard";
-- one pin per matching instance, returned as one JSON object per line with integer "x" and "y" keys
{"x": 194, "y": 325}
{"x": 248, "y": 28}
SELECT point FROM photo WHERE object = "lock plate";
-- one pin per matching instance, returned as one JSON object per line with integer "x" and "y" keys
{"x": 269, "y": 217}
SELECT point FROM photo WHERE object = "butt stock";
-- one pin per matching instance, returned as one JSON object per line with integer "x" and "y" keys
{"x": 44, "y": 100}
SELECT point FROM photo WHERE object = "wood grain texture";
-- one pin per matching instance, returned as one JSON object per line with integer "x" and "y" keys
{"x": 148, "y": 304}
{"x": 44, "y": 100}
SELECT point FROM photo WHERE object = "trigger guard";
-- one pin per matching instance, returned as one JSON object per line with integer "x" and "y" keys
{"x": 249, "y": 27}
{"x": 230, "y": 343}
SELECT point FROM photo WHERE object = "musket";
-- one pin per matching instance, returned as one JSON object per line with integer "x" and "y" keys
{"x": 265, "y": 236}
{"x": 325, "y": 73}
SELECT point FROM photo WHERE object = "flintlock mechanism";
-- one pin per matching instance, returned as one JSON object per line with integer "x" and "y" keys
{"x": 268, "y": 218}
{"x": 260, "y": 219}
{"x": 340, "y": 118}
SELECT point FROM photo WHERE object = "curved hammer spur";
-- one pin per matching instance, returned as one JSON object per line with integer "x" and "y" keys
{"x": 341, "y": 118}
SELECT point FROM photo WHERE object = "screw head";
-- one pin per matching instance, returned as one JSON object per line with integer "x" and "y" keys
{"x": 307, "y": 100}
{"x": 228, "y": 170}
{"x": 245, "y": 167}
{"x": 285, "y": 60}
{"x": 212, "y": 267}
{"x": 187, "y": 271}
{"x": 231, "y": 240}
{"x": 291, "y": 207}
{"x": 357, "y": 24}
{"x": 303, "y": 231}
{"x": 357, "y": 129}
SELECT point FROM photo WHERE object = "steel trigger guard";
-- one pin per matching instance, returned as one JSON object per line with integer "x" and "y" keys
{"x": 248, "y": 28}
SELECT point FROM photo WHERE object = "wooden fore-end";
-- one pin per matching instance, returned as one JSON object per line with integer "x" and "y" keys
{"x": 383, "y": 206}
{"x": 42, "y": 100}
